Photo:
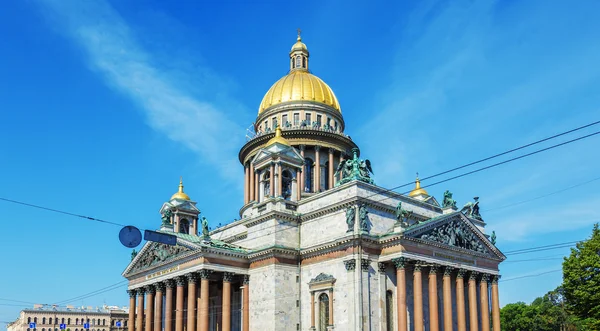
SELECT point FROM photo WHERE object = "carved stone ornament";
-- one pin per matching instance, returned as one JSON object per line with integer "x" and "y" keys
{"x": 156, "y": 254}
{"x": 191, "y": 278}
{"x": 205, "y": 273}
{"x": 140, "y": 291}
{"x": 485, "y": 278}
{"x": 363, "y": 213}
{"x": 417, "y": 267}
{"x": 448, "y": 271}
{"x": 399, "y": 263}
{"x": 495, "y": 279}
{"x": 131, "y": 293}
{"x": 433, "y": 269}
{"x": 160, "y": 287}
{"x": 350, "y": 213}
{"x": 461, "y": 273}
{"x": 150, "y": 289}
{"x": 365, "y": 264}
{"x": 455, "y": 233}
{"x": 350, "y": 264}
{"x": 181, "y": 281}
{"x": 322, "y": 278}
{"x": 381, "y": 266}
{"x": 246, "y": 280}
{"x": 473, "y": 275}
{"x": 228, "y": 277}
{"x": 169, "y": 283}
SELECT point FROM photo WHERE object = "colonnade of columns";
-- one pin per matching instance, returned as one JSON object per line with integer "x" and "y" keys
{"x": 477, "y": 305}
{"x": 149, "y": 318}
{"x": 252, "y": 175}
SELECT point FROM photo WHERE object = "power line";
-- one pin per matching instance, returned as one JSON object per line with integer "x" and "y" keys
{"x": 60, "y": 211}
{"x": 93, "y": 293}
{"x": 542, "y": 247}
{"x": 530, "y": 276}
{"x": 2, "y": 299}
{"x": 543, "y": 196}
{"x": 496, "y": 155}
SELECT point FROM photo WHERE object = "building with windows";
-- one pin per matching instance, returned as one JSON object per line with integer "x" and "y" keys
{"x": 319, "y": 246}
{"x": 50, "y": 318}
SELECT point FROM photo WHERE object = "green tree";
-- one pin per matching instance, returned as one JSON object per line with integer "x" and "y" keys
{"x": 581, "y": 281}
{"x": 516, "y": 317}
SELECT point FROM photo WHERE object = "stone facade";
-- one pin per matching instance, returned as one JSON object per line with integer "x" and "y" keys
{"x": 344, "y": 254}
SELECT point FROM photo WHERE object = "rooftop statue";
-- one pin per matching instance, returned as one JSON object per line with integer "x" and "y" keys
{"x": 350, "y": 212}
{"x": 166, "y": 218}
{"x": 471, "y": 209}
{"x": 493, "y": 238}
{"x": 402, "y": 215}
{"x": 205, "y": 228}
{"x": 363, "y": 214}
{"x": 354, "y": 169}
{"x": 448, "y": 201}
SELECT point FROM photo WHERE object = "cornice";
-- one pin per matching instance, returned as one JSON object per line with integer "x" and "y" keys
{"x": 274, "y": 251}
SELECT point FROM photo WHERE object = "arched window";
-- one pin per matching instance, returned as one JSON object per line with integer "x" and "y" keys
{"x": 99, "y": 322}
{"x": 389, "y": 310}
{"x": 298, "y": 61}
{"x": 62, "y": 320}
{"x": 69, "y": 321}
{"x": 28, "y": 320}
{"x": 43, "y": 320}
{"x": 286, "y": 184}
{"x": 125, "y": 323}
{"x": 308, "y": 174}
{"x": 35, "y": 320}
{"x": 103, "y": 322}
{"x": 77, "y": 321}
{"x": 50, "y": 320}
{"x": 303, "y": 62}
{"x": 43, "y": 329}
{"x": 323, "y": 312}
{"x": 184, "y": 227}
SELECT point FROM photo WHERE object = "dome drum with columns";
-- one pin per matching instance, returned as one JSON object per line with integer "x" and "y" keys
{"x": 319, "y": 246}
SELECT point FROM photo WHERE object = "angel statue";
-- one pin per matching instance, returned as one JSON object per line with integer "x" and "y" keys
{"x": 471, "y": 209}
{"x": 354, "y": 169}
{"x": 205, "y": 227}
{"x": 166, "y": 218}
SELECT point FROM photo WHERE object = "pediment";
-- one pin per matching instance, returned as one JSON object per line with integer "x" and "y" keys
{"x": 286, "y": 152}
{"x": 455, "y": 230}
{"x": 154, "y": 254}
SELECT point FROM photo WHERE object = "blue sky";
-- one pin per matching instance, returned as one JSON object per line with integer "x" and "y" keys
{"x": 105, "y": 104}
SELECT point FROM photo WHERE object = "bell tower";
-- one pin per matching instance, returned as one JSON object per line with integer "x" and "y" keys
{"x": 180, "y": 213}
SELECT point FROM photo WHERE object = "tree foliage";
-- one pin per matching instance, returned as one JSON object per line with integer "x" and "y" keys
{"x": 581, "y": 278}
{"x": 573, "y": 306}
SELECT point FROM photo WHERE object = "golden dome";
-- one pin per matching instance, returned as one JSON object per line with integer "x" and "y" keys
{"x": 418, "y": 190}
{"x": 299, "y": 85}
{"x": 278, "y": 138}
{"x": 299, "y": 46}
{"x": 180, "y": 195}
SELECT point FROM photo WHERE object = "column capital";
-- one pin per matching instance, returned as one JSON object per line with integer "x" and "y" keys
{"x": 364, "y": 264}
{"x": 227, "y": 277}
{"x": 417, "y": 267}
{"x": 317, "y": 148}
{"x": 433, "y": 269}
{"x": 170, "y": 283}
{"x": 461, "y": 273}
{"x": 350, "y": 264}
{"x": 485, "y": 278}
{"x": 205, "y": 273}
{"x": 150, "y": 289}
{"x": 495, "y": 279}
{"x": 302, "y": 148}
{"x": 181, "y": 281}
{"x": 400, "y": 262}
{"x": 331, "y": 150}
{"x": 473, "y": 275}
{"x": 140, "y": 291}
{"x": 381, "y": 266}
{"x": 160, "y": 287}
{"x": 246, "y": 280}
{"x": 132, "y": 293}
{"x": 192, "y": 278}
{"x": 448, "y": 271}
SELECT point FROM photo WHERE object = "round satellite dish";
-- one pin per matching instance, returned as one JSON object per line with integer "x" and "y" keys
{"x": 130, "y": 236}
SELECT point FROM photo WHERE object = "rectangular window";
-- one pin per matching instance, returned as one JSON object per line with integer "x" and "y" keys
{"x": 284, "y": 120}
{"x": 308, "y": 119}
{"x": 266, "y": 125}
{"x": 319, "y": 120}
{"x": 296, "y": 119}
{"x": 274, "y": 122}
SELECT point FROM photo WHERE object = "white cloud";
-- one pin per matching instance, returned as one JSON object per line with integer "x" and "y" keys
{"x": 170, "y": 107}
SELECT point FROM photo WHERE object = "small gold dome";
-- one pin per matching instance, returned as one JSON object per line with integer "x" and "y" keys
{"x": 180, "y": 195}
{"x": 299, "y": 46}
{"x": 278, "y": 138}
{"x": 299, "y": 85}
{"x": 418, "y": 190}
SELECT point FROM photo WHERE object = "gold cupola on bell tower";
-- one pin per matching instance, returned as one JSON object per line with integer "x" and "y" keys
{"x": 299, "y": 55}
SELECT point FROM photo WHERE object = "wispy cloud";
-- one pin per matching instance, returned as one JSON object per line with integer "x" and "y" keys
{"x": 170, "y": 107}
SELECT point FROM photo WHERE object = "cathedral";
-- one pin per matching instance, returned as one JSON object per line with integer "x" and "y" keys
{"x": 318, "y": 246}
